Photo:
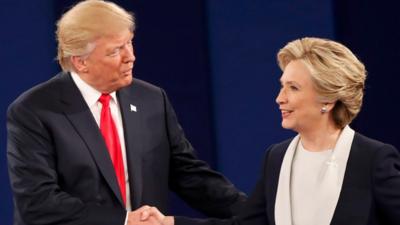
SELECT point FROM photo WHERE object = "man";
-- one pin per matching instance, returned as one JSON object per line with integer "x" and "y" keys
{"x": 92, "y": 143}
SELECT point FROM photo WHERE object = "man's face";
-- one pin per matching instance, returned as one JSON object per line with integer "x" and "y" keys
{"x": 109, "y": 66}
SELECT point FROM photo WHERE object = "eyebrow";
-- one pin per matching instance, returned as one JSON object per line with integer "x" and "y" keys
{"x": 117, "y": 45}
{"x": 112, "y": 48}
{"x": 290, "y": 82}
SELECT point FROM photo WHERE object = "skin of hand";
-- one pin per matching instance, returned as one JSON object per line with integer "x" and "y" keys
{"x": 153, "y": 212}
{"x": 146, "y": 212}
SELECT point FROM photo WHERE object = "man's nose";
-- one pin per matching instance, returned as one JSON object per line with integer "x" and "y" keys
{"x": 129, "y": 55}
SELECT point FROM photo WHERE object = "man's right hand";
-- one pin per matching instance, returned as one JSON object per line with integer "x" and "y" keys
{"x": 147, "y": 215}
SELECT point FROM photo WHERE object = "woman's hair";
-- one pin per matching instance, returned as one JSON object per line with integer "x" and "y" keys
{"x": 80, "y": 26}
{"x": 337, "y": 75}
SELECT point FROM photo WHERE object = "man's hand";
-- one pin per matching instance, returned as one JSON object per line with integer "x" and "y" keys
{"x": 135, "y": 217}
{"x": 149, "y": 215}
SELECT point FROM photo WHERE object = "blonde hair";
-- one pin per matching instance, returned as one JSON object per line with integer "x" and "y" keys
{"x": 88, "y": 20}
{"x": 338, "y": 76}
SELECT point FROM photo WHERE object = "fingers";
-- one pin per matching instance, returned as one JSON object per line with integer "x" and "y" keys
{"x": 145, "y": 215}
{"x": 134, "y": 216}
{"x": 148, "y": 215}
{"x": 151, "y": 211}
{"x": 152, "y": 221}
{"x": 143, "y": 208}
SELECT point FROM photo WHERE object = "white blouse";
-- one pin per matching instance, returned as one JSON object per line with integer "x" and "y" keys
{"x": 306, "y": 176}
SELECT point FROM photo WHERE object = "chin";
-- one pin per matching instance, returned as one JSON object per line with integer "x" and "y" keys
{"x": 286, "y": 125}
{"x": 122, "y": 83}
{"x": 126, "y": 81}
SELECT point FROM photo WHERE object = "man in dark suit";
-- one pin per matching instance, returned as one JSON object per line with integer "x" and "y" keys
{"x": 92, "y": 145}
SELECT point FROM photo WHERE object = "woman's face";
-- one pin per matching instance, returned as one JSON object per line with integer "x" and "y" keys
{"x": 298, "y": 100}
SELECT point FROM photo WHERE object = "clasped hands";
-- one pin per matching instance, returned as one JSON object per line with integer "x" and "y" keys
{"x": 147, "y": 215}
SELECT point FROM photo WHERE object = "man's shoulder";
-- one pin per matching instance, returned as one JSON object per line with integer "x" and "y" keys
{"x": 144, "y": 85}
{"x": 143, "y": 90}
{"x": 42, "y": 92}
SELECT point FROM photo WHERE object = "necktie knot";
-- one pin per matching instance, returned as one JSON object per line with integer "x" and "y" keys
{"x": 105, "y": 99}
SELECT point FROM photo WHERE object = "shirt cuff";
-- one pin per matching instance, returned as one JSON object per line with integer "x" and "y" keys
{"x": 126, "y": 218}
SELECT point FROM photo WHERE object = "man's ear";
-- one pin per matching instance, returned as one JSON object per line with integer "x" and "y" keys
{"x": 79, "y": 64}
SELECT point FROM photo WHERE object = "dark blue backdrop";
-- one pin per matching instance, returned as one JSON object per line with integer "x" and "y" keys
{"x": 216, "y": 60}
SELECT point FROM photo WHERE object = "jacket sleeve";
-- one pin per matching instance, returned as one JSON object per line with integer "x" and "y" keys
{"x": 253, "y": 212}
{"x": 386, "y": 184}
{"x": 193, "y": 180}
{"x": 32, "y": 167}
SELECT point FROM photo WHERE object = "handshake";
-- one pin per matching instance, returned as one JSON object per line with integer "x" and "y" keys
{"x": 147, "y": 215}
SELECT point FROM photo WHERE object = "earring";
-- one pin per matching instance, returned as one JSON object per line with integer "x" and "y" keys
{"x": 324, "y": 109}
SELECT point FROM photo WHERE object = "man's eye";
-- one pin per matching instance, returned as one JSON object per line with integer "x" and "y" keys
{"x": 114, "y": 52}
{"x": 294, "y": 88}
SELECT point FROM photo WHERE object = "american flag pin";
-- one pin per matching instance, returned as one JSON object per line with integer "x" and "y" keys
{"x": 133, "y": 108}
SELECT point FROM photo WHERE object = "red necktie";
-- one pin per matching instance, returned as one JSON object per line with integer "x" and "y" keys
{"x": 110, "y": 134}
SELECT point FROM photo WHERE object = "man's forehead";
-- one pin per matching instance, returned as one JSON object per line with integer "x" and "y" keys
{"x": 113, "y": 39}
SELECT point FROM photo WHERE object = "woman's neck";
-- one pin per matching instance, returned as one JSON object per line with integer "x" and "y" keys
{"x": 320, "y": 139}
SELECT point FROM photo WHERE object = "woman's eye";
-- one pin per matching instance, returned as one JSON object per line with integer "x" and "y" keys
{"x": 294, "y": 88}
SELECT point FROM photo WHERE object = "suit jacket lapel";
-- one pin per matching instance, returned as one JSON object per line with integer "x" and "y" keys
{"x": 132, "y": 121}
{"x": 273, "y": 169}
{"x": 77, "y": 111}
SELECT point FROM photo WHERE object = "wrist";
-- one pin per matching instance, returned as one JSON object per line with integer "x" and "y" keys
{"x": 168, "y": 220}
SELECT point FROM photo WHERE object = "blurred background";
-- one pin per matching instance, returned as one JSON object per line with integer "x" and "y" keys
{"x": 216, "y": 60}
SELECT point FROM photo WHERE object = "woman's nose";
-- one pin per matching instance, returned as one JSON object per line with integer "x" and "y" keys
{"x": 281, "y": 98}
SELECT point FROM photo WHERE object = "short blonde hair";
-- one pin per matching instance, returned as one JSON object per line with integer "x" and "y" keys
{"x": 80, "y": 26}
{"x": 338, "y": 76}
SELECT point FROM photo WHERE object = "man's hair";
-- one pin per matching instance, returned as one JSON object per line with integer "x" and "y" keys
{"x": 337, "y": 75}
{"x": 88, "y": 20}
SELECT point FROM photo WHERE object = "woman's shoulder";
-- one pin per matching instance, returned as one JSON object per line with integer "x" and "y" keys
{"x": 369, "y": 144}
{"x": 372, "y": 150}
{"x": 278, "y": 149}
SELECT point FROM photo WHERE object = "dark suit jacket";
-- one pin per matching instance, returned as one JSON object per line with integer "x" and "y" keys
{"x": 61, "y": 173}
{"x": 370, "y": 193}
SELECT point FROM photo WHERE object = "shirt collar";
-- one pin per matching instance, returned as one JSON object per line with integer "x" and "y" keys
{"x": 90, "y": 94}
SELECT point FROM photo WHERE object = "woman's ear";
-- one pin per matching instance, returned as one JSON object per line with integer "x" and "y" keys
{"x": 327, "y": 106}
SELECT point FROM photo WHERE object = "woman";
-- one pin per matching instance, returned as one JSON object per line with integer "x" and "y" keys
{"x": 327, "y": 174}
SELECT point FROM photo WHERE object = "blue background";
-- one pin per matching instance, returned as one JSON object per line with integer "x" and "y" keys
{"x": 216, "y": 60}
